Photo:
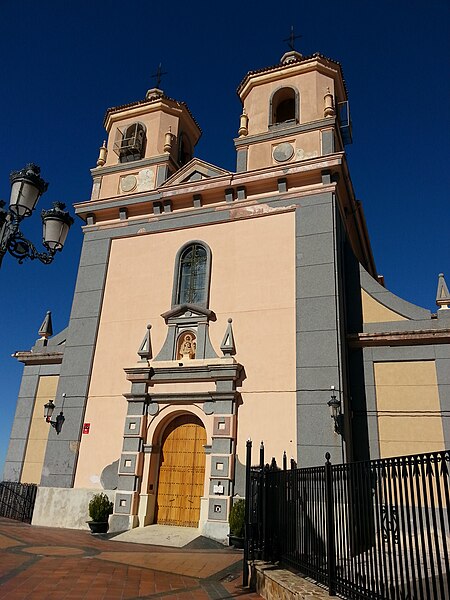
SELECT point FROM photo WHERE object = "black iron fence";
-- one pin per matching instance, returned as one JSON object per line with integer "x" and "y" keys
{"x": 17, "y": 500}
{"x": 375, "y": 530}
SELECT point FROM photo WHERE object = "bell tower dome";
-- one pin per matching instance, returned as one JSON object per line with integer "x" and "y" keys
{"x": 148, "y": 140}
{"x": 293, "y": 111}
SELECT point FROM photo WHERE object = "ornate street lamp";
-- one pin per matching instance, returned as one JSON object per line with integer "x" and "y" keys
{"x": 49, "y": 407}
{"x": 26, "y": 188}
{"x": 336, "y": 412}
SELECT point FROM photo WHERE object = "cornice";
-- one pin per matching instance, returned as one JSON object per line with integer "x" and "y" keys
{"x": 286, "y": 131}
{"x": 91, "y": 206}
{"x": 399, "y": 338}
{"x": 212, "y": 371}
{"x": 36, "y": 358}
{"x": 189, "y": 397}
{"x": 274, "y": 171}
{"x": 246, "y": 178}
{"x": 224, "y": 212}
{"x": 131, "y": 166}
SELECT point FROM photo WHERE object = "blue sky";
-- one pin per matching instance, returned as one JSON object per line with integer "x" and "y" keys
{"x": 65, "y": 63}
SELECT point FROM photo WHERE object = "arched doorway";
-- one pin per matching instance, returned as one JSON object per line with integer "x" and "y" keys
{"x": 181, "y": 472}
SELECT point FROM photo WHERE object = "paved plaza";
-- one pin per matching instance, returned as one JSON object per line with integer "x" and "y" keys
{"x": 45, "y": 563}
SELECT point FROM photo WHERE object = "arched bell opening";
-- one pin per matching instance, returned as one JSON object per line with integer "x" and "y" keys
{"x": 185, "y": 151}
{"x": 284, "y": 107}
{"x": 131, "y": 142}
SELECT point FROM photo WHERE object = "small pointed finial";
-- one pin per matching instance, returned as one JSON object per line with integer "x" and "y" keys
{"x": 103, "y": 153}
{"x": 168, "y": 140}
{"x": 328, "y": 109}
{"x": 243, "y": 124}
{"x": 442, "y": 294}
{"x": 45, "y": 330}
{"x": 145, "y": 349}
{"x": 228, "y": 346}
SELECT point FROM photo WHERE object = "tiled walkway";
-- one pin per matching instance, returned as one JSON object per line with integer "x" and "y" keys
{"x": 44, "y": 563}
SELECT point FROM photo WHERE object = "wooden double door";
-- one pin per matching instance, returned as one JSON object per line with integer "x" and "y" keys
{"x": 181, "y": 472}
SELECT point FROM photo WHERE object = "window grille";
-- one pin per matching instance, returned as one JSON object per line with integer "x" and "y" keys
{"x": 192, "y": 282}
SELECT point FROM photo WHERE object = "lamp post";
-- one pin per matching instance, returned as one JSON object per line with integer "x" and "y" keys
{"x": 336, "y": 412}
{"x": 49, "y": 407}
{"x": 26, "y": 188}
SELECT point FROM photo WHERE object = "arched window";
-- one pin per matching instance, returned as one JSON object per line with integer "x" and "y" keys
{"x": 192, "y": 271}
{"x": 130, "y": 143}
{"x": 184, "y": 150}
{"x": 284, "y": 106}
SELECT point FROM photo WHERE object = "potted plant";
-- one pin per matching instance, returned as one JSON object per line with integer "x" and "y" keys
{"x": 236, "y": 521}
{"x": 100, "y": 507}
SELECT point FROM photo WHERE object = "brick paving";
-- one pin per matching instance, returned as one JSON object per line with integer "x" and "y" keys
{"x": 45, "y": 563}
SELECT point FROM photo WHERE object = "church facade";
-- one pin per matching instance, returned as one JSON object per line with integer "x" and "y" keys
{"x": 215, "y": 306}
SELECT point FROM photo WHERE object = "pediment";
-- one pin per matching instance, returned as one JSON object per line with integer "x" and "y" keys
{"x": 190, "y": 311}
{"x": 195, "y": 170}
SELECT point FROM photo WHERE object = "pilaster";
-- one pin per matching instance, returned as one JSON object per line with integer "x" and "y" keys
{"x": 131, "y": 461}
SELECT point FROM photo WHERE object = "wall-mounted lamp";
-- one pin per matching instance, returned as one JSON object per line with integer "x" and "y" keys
{"x": 336, "y": 413}
{"x": 49, "y": 407}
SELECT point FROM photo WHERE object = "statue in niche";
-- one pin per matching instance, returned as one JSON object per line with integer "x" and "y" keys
{"x": 186, "y": 346}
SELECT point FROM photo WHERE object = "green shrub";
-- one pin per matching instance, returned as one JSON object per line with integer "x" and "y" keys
{"x": 100, "y": 507}
{"x": 237, "y": 518}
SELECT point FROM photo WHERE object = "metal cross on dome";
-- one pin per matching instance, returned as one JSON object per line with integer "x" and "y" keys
{"x": 291, "y": 39}
{"x": 158, "y": 75}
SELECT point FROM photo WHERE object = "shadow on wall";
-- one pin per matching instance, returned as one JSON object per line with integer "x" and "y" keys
{"x": 359, "y": 435}
{"x": 109, "y": 478}
{"x": 239, "y": 478}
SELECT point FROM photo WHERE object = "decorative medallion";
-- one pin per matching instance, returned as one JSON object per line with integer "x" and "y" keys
{"x": 283, "y": 152}
{"x": 128, "y": 183}
{"x": 153, "y": 409}
{"x": 208, "y": 407}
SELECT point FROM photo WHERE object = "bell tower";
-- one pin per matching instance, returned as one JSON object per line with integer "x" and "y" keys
{"x": 294, "y": 111}
{"x": 148, "y": 140}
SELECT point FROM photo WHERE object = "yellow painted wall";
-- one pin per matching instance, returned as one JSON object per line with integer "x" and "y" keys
{"x": 139, "y": 288}
{"x": 37, "y": 439}
{"x": 409, "y": 417}
{"x": 375, "y": 312}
